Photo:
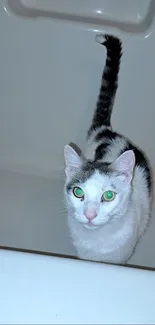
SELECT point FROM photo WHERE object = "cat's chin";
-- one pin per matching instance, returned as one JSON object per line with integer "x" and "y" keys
{"x": 89, "y": 226}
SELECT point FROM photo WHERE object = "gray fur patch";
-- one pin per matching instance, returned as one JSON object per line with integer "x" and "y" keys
{"x": 87, "y": 170}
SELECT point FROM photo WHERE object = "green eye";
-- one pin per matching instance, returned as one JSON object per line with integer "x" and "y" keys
{"x": 78, "y": 192}
{"x": 108, "y": 196}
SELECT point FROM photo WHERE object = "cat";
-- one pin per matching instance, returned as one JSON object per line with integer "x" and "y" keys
{"x": 108, "y": 189}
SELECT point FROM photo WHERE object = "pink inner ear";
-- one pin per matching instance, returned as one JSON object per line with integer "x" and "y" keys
{"x": 126, "y": 162}
{"x": 69, "y": 171}
{"x": 125, "y": 165}
{"x": 72, "y": 159}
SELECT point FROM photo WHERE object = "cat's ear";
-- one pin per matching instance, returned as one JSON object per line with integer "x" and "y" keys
{"x": 72, "y": 159}
{"x": 125, "y": 165}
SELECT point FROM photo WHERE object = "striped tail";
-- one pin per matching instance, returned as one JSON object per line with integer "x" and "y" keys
{"x": 109, "y": 83}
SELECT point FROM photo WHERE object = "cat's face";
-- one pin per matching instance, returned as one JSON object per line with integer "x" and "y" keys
{"x": 95, "y": 192}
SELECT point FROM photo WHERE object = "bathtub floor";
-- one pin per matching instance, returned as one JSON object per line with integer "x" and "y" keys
{"x": 33, "y": 216}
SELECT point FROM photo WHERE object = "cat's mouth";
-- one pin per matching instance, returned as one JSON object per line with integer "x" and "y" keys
{"x": 90, "y": 226}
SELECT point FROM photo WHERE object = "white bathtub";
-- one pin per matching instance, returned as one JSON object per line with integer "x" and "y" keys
{"x": 50, "y": 70}
{"x": 37, "y": 289}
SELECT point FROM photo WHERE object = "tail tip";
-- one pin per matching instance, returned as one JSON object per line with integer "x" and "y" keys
{"x": 100, "y": 38}
{"x": 109, "y": 41}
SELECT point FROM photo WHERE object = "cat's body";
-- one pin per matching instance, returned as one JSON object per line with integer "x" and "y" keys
{"x": 114, "y": 241}
{"x": 108, "y": 190}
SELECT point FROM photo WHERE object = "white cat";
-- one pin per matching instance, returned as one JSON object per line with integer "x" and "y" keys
{"x": 108, "y": 190}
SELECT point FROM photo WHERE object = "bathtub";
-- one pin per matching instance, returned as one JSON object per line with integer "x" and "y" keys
{"x": 50, "y": 72}
{"x": 39, "y": 289}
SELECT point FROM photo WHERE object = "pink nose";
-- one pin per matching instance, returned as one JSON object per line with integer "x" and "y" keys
{"x": 90, "y": 215}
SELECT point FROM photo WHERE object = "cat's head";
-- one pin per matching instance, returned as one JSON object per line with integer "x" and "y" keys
{"x": 97, "y": 191}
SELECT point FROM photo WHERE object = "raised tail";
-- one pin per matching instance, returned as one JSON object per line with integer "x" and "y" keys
{"x": 109, "y": 82}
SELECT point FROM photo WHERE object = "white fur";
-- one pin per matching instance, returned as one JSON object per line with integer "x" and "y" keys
{"x": 114, "y": 233}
